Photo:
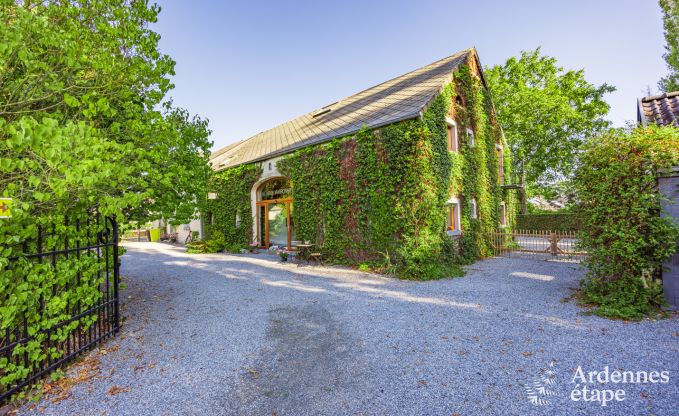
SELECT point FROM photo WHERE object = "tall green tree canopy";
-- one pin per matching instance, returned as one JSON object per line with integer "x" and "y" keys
{"x": 546, "y": 112}
{"x": 84, "y": 119}
{"x": 670, "y": 10}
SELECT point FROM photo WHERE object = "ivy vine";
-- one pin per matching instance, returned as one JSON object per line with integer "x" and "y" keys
{"x": 226, "y": 213}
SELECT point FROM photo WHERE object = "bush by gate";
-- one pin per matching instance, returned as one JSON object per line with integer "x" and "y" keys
{"x": 628, "y": 240}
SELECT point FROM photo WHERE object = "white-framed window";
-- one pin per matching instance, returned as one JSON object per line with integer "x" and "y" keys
{"x": 470, "y": 137}
{"x": 453, "y": 225}
{"x": 503, "y": 214}
{"x": 474, "y": 209}
{"x": 500, "y": 164}
{"x": 452, "y": 134}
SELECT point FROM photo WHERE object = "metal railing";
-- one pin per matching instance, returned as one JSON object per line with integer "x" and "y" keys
{"x": 136, "y": 235}
{"x": 80, "y": 324}
{"x": 546, "y": 245}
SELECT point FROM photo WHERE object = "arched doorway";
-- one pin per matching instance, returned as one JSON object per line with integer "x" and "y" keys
{"x": 274, "y": 213}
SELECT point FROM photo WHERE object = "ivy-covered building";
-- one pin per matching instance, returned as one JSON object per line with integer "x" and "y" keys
{"x": 406, "y": 173}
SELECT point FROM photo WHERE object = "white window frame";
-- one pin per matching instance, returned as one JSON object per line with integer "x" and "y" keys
{"x": 474, "y": 209}
{"x": 455, "y": 204}
{"x": 470, "y": 137}
{"x": 451, "y": 124}
{"x": 503, "y": 214}
{"x": 500, "y": 164}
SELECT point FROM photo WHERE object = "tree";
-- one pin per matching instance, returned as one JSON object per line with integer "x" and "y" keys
{"x": 84, "y": 126}
{"x": 670, "y": 9}
{"x": 83, "y": 117}
{"x": 546, "y": 113}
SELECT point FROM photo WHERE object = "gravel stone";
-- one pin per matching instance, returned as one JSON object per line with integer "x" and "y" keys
{"x": 247, "y": 335}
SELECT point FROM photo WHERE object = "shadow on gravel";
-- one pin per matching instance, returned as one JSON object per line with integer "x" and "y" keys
{"x": 246, "y": 335}
{"x": 308, "y": 359}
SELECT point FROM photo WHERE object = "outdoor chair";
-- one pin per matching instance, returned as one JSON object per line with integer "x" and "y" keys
{"x": 316, "y": 257}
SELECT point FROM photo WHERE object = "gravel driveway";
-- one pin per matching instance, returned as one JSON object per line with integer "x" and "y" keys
{"x": 245, "y": 335}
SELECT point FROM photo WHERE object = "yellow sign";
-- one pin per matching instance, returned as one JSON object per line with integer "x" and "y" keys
{"x": 5, "y": 207}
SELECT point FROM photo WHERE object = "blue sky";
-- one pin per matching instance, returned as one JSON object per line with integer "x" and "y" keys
{"x": 250, "y": 65}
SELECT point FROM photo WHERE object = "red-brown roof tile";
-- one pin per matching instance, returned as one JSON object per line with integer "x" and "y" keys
{"x": 659, "y": 109}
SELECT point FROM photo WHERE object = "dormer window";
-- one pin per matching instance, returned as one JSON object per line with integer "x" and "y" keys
{"x": 470, "y": 137}
{"x": 452, "y": 134}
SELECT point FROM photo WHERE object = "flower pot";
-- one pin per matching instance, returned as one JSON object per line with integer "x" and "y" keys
{"x": 155, "y": 234}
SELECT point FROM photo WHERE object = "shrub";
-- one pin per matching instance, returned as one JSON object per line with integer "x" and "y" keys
{"x": 214, "y": 244}
{"x": 233, "y": 247}
{"x": 625, "y": 236}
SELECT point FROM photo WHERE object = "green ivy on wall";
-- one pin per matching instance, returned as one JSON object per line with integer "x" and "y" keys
{"x": 379, "y": 196}
{"x": 479, "y": 177}
{"x": 232, "y": 190}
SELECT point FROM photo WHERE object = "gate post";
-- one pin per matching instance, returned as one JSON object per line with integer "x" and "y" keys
{"x": 116, "y": 277}
{"x": 668, "y": 183}
{"x": 553, "y": 246}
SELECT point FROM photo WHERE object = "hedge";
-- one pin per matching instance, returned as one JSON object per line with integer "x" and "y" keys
{"x": 549, "y": 222}
{"x": 624, "y": 234}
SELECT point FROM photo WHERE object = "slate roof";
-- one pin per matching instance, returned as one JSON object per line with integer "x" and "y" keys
{"x": 401, "y": 98}
{"x": 660, "y": 109}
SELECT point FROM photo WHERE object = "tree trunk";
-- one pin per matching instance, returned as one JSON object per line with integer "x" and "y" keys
{"x": 522, "y": 190}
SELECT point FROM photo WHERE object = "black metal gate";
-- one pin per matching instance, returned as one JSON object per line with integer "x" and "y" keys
{"x": 58, "y": 322}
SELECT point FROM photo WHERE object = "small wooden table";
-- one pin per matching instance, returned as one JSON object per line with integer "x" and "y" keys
{"x": 304, "y": 250}
{"x": 305, "y": 253}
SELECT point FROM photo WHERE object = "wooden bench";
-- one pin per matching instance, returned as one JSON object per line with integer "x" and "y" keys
{"x": 171, "y": 237}
{"x": 317, "y": 257}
